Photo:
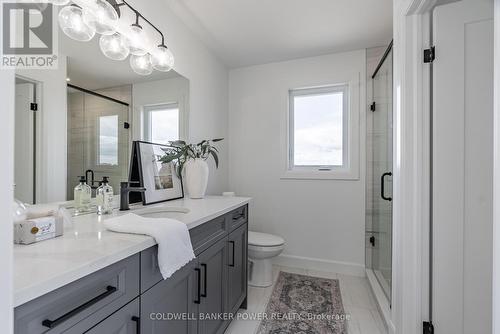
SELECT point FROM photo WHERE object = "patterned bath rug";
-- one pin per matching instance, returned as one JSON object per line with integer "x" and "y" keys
{"x": 304, "y": 305}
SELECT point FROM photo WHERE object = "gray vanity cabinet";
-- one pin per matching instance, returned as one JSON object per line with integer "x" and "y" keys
{"x": 170, "y": 306}
{"x": 237, "y": 268}
{"x": 212, "y": 264}
{"x": 124, "y": 321}
{"x": 131, "y": 296}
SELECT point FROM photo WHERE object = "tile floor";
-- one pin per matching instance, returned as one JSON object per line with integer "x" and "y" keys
{"x": 357, "y": 298}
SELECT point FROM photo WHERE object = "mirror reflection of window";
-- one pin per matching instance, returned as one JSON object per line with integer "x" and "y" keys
{"x": 161, "y": 123}
{"x": 108, "y": 140}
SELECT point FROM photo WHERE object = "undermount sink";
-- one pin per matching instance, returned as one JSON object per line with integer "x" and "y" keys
{"x": 162, "y": 212}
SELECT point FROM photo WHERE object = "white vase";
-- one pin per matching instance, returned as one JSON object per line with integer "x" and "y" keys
{"x": 196, "y": 177}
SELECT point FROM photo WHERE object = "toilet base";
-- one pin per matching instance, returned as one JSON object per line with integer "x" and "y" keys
{"x": 260, "y": 273}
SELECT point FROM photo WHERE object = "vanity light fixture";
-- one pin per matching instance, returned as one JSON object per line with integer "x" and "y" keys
{"x": 71, "y": 22}
{"x": 60, "y": 2}
{"x": 162, "y": 59}
{"x": 141, "y": 64}
{"x": 82, "y": 19}
{"x": 114, "y": 46}
{"x": 136, "y": 38}
{"x": 101, "y": 16}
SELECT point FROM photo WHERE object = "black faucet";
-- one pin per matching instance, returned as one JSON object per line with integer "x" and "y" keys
{"x": 90, "y": 180}
{"x": 125, "y": 190}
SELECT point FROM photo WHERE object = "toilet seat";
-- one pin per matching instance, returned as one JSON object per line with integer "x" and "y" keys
{"x": 258, "y": 239}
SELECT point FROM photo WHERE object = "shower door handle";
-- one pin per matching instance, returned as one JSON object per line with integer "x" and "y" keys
{"x": 382, "y": 186}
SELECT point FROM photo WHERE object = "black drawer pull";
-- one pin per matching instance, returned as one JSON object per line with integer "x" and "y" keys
{"x": 238, "y": 216}
{"x": 232, "y": 257}
{"x": 204, "y": 294}
{"x": 137, "y": 321}
{"x": 198, "y": 272}
{"x": 53, "y": 323}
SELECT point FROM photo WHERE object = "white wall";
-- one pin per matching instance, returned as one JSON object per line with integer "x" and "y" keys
{"x": 51, "y": 137}
{"x": 6, "y": 195}
{"x": 322, "y": 221}
{"x": 208, "y": 80}
{"x": 158, "y": 92}
{"x": 496, "y": 174}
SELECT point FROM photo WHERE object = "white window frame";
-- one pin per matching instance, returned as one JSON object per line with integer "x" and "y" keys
{"x": 350, "y": 150}
{"x": 146, "y": 114}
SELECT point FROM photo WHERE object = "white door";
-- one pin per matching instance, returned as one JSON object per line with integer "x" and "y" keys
{"x": 24, "y": 161}
{"x": 463, "y": 167}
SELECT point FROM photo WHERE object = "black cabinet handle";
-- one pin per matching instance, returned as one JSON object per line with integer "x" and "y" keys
{"x": 232, "y": 256}
{"x": 53, "y": 323}
{"x": 198, "y": 271}
{"x": 382, "y": 187}
{"x": 204, "y": 294}
{"x": 137, "y": 321}
{"x": 238, "y": 216}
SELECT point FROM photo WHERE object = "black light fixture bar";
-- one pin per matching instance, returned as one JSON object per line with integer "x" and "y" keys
{"x": 137, "y": 15}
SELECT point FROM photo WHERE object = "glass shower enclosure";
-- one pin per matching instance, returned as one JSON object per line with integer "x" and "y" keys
{"x": 98, "y": 139}
{"x": 379, "y": 175}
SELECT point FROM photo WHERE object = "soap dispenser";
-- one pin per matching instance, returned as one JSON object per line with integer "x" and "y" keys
{"x": 104, "y": 196}
{"x": 82, "y": 195}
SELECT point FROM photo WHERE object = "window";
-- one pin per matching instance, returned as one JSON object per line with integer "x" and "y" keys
{"x": 108, "y": 140}
{"x": 161, "y": 123}
{"x": 318, "y": 133}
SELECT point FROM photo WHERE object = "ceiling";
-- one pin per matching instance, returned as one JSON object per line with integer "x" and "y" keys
{"x": 89, "y": 68}
{"x": 249, "y": 32}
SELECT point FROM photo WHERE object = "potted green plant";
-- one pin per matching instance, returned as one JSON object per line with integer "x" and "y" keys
{"x": 192, "y": 160}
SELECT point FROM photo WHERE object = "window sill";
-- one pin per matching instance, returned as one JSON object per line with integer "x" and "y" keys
{"x": 319, "y": 175}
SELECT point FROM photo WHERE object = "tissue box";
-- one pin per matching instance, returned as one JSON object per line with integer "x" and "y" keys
{"x": 37, "y": 229}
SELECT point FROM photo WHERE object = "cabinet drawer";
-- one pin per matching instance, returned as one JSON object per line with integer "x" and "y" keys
{"x": 124, "y": 321}
{"x": 237, "y": 217}
{"x": 206, "y": 234}
{"x": 76, "y": 307}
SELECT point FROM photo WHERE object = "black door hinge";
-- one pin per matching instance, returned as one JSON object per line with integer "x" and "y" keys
{"x": 372, "y": 241}
{"x": 429, "y": 55}
{"x": 126, "y": 125}
{"x": 372, "y": 106}
{"x": 34, "y": 106}
{"x": 428, "y": 327}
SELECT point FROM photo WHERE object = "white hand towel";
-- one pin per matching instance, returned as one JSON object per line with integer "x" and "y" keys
{"x": 172, "y": 236}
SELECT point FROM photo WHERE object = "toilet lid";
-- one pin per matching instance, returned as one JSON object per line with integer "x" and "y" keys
{"x": 264, "y": 239}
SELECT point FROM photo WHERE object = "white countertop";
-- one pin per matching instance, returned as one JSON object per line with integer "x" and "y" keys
{"x": 87, "y": 246}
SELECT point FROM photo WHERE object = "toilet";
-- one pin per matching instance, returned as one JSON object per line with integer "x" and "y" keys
{"x": 262, "y": 247}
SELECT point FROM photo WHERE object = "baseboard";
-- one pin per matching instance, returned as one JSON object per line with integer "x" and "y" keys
{"x": 347, "y": 268}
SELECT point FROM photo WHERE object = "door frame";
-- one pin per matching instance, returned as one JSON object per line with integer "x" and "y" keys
{"x": 411, "y": 19}
{"x": 411, "y": 152}
{"x": 40, "y": 155}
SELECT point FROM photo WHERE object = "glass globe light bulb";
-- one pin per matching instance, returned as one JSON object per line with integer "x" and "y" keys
{"x": 71, "y": 23}
{"x": 114, "y": 46}
{"x": 136, "y": 39}
{"x": 162, "y": 59}
{"x": 141, "y": 64}
{"x": 101, "y": 16}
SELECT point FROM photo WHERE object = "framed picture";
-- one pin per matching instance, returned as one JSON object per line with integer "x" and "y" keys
{"x": 160, "y": 179}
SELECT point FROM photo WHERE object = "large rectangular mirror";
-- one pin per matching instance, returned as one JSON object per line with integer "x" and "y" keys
{"x": 80, "y": 120}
